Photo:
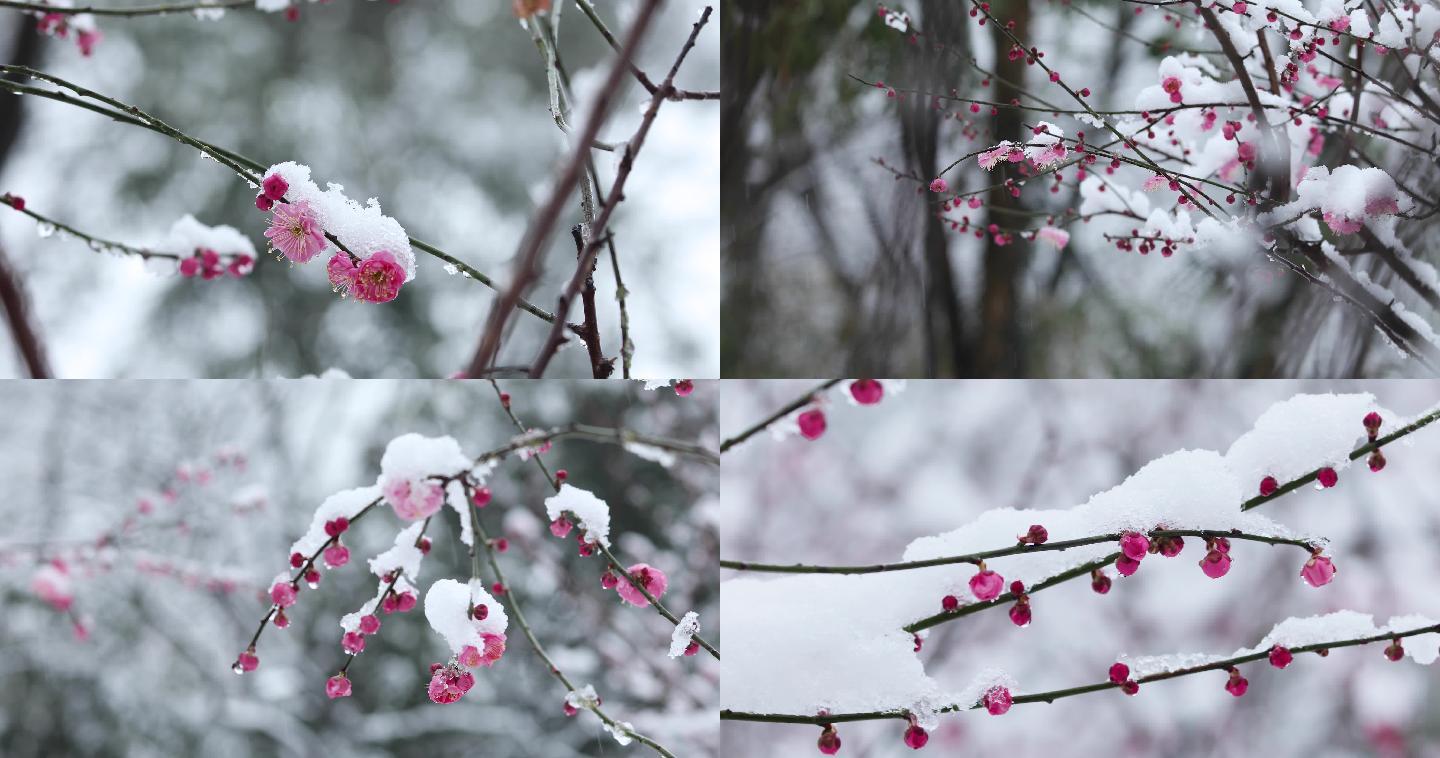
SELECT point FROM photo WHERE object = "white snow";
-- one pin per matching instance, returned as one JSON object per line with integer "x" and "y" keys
{"x": 650, "y": 453}
{"x": 591, "y": 513}
{"x": 188, "y": 235}
{"x": 584, "y": 697}
{"x": 404, "y": 555}
{"x": 680, "y": 638}
{"x": 806, "y": 642}
{"x": 364, "y": 229}
{"x": 1301, "y": 434}
{"x": 1311, "y": 630}
{"x": 447, "y": 608}
{"x": 345, "y": 503}
{"x": 412, "y": 456}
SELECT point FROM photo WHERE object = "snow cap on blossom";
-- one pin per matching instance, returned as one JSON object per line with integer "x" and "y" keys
{"x": 364, "y": 230}
{"x": 1346, "y": 196}
{"x": 404, "y": 556}
{"x": 653, "y": 579}
{"x": 449, "y": 607}
{"x": 405, "y": 470}
{"x": 592, "y": 513}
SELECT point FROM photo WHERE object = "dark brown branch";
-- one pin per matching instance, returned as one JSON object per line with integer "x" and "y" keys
{"x": 532, "y": 246}
{"x": 589, "y": 330}
{"x": 617, "y": 193}
{"x": 22, "y": 328}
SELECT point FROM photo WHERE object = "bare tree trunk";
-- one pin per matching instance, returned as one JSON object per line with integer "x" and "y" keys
{"x": 946, "y": 351}
{"x": 26, "y": 52}
{"x": 1001, "y": 351}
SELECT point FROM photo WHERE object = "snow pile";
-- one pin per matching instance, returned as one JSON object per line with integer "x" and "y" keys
{"x": 813, "y": 641}
{"x": 363, "y": 229}
{"x": 1294, "y": 437}
{"x": 447, "y": 607}
{"x": 412, "y": 457}
{"x": 1346, "y": 196}
{"x": 650, "y": 453}
{"x": 187, "y": 236}
{"x": 404, "y": 555}
{"x": 680, "y": 638}
{"x": 347, "y": 503}
{"x": 591, "y": 513}
{"x": 1297, "y": 632}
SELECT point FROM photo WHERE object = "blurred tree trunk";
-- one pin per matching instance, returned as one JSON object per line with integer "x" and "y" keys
{"x": 741, "y": 230}
{"x": 946, "y": 352}
{"x": 1001, "y": 350}
{"x": 25, "y": 51}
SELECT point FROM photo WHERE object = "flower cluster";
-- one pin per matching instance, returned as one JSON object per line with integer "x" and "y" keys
{"x": 374, "y": 264}
{"x": 209, "y": 264}
{"x": 60, "y": 25}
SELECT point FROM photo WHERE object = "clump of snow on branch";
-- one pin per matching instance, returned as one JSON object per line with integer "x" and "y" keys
{"x": 404, "y": 555}
{"x": 188, "y": 235}
{"x": 786, "y": 634}
{"x": 1301, "y": 434}
{"x": 1298, "y": 632}
{"x": 365, "y": 230}
{"x": 688, "y": 627}
{"x": 591, "y": 513}
{"x": 448, "y": 605}
{"x": 650, "y": 453}
{"x": 346, "y": 503}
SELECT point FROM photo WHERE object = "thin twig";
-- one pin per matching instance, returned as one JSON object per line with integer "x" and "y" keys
{"x": 532, "y": 246}
{"x": 794, "y": 405}
{"x": 1053, "y": 695}
{"x": 1020, "y": 549}
{"x": 612, "y": 200}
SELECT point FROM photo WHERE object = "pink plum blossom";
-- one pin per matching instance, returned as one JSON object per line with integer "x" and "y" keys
{"x": 378, "y": 279}
{"x": 653, "y": 579}
{"x": 413, "y": 499}
{"x": 337, "y": 686}
{"x": 295, "y": 232}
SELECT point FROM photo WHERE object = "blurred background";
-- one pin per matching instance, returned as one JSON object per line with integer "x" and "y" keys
{"x": 438, "y": 108}
{"x": 169, "y": 591}
{"x": 863, "y": 280}
{"x": 932, "y": 458}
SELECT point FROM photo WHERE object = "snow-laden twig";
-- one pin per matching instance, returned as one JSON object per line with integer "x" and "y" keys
{"x": 597, "y": 230}
{"x": 555, "y": 671}
{"x": 1020, "y": 549}
{"x": 246, "y": 168}
{"x": 1053, "y": 695}
{"x": 612, "y": 562}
